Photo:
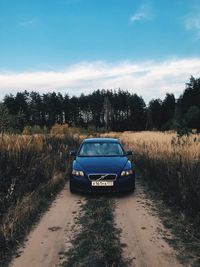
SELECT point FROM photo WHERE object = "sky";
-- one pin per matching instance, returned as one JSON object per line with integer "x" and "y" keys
{"x": 76, "y": 46}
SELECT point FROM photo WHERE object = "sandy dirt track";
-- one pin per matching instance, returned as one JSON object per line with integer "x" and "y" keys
{"x": 52, "y": 235}
{"x": 142, "y": 232}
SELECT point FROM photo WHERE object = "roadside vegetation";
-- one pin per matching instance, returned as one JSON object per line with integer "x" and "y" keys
{"x": 97, "y": 242}
{"x": 170, "y": 165}
{"x": 32, "y": 171}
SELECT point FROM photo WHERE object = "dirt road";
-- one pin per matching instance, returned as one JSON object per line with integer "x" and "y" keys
{"x": 141, "y": 232}
{"x": 52, "y": 235}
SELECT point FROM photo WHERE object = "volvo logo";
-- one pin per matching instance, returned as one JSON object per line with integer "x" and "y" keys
{"x": 102, "y": 177}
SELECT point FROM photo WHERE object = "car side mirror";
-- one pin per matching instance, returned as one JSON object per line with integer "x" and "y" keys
{"x": 129, "y": 153}
{"x": 73, "y": 153}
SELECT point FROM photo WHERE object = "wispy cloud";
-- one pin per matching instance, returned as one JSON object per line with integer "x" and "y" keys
{"x": 149, "y": 79}
{"x": 144, "y": 12}
{"x": 28, "y": 22}
{"x": 192, "y": 23}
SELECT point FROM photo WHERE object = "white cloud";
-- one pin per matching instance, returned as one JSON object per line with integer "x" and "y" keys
{"x": 148, "y": 79}
{"x": 144, "y": 12}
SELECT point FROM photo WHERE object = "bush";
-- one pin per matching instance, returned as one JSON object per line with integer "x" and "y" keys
{"x": 36, "y": 129}
{"x": 60, "y": 129}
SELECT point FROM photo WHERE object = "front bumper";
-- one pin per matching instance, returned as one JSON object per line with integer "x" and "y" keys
{"x": 121, "y": 184}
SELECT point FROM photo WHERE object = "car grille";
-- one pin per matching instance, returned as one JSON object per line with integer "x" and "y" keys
{"x": 102, "y": 177}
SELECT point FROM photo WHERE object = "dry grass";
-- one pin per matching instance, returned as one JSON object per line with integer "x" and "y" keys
{"x": 30, "y": 168}
{"x": 164, "y": 145}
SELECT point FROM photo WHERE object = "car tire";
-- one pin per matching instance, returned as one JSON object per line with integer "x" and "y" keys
{"x": 131, "y": 190}
{"x": 71, "y": 189}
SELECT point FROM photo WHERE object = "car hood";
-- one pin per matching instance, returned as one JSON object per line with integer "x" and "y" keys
{"x": 102, "y": 164}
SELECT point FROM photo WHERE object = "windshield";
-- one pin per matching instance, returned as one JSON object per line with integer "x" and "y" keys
{"x": 101, "y": 149}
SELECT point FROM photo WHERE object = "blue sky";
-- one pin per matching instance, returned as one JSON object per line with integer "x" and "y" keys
{"x": 76, "y": 46}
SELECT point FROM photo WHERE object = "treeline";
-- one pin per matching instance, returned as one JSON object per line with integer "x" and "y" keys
{"x": 107, "y": 109}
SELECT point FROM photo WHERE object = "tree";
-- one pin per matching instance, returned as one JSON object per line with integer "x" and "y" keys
{"x": 167, "y": 111}
{"x": 95, "y": 102}
{"x": 192, "y": 117}
{"x": 137, "y": 118}
{"x": 35, "y": 109}
{"x": 9, "y": 122}
{"x": 21, "y": 102}
{"x": 154, "y": 109}
{"x": 107, "y": 113}
{"x": 4, "y": 118}
{"x": 10, "y": 103}
{"x": 74, "y": 111}
{"x": 191, "y": 95}
{"x": 66, "y": 109}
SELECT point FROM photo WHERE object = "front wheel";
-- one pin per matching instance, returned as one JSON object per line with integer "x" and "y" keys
{"x": 71, "y": 189}
{"x": 131, "y": 190}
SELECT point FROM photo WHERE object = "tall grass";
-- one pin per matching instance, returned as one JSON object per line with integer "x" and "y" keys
{"x": 171, "y": 163}
{"x": 30, "y": 174}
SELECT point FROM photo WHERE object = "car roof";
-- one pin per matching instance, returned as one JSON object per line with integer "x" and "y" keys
{"x": 100, "y": 139}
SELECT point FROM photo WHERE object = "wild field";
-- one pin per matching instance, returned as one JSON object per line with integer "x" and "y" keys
{"x": 32, "y": 169}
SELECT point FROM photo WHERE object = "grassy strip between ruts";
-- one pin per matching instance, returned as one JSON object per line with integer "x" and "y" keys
{"x": 97, "y": 243}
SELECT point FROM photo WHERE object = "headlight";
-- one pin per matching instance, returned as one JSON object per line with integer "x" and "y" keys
{"x": 77, "y": 173}
{"x": 126, "y": 173}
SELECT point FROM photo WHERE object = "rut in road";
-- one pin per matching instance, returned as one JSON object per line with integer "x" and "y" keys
{"x": 142, "y": 232}
{"x": 52, "y": 235}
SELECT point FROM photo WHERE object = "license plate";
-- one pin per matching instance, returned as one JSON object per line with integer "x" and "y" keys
{"x": 102, "y": 183}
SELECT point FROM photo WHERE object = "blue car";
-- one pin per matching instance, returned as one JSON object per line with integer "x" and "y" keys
{"x": 101, "y": 165}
